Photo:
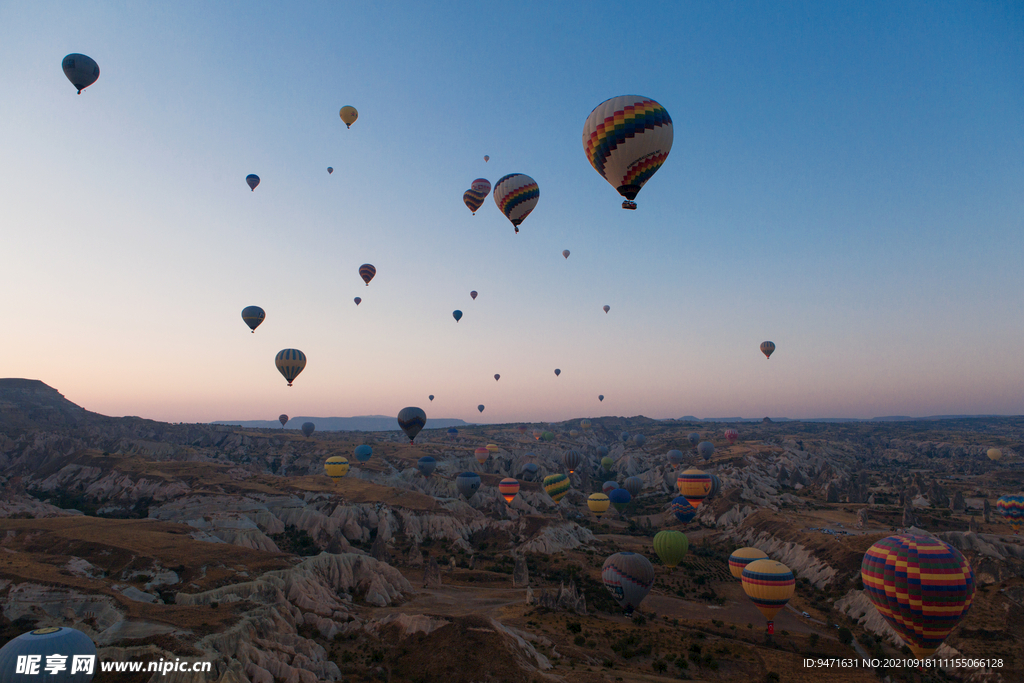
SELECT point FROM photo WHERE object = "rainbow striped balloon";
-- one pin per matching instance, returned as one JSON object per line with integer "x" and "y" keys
{"x": 290, "y": 362}
{"x": 508, "y": 488}
{"x": 920, "y": 585}
{"x": 769, "y": 585}
{"x": 516, "y": 196}
{"x": 694, "y": 485}
{"x": 741, "y": 557}
{"x": 1012, "y": 508}
{"x": 556, "y": 486}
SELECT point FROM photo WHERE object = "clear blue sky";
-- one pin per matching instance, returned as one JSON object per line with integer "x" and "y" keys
{"x": 846, "y": 180}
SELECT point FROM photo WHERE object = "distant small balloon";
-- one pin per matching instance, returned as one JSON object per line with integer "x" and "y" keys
{"x": 473, "y": 295}
{"x": 253, "y": 316}
{"x": 639, "y": 440}
{"x": 336, "y": 467}
{"x": 467, "y": 483}
{"x": 731, "y": 435}
{"x": 565, "y": 253}
{"x": 600, "y": 397}
{"x": 457, "y": 315}
{"x": 705, "y": 450}
{"x": 508, "y": 488}
{"x": 81, "y": 70}
{"x": 473, "y": 200}
{"x": 607, "y": 308}
{"x": 693, "y": 438}
{"x": 516, "y": 195}
{"x": 767, "y": 348}
{"x": 609, "y": 486}
{"x": 675, "y": 457}
{"x": 357, "y": 300}
{"x": 598, "y": 503}
{"x": 290, "y": 362}
{"x": 497, "y": 377}
{"x": 480, "y": 407}
{"x": 366, "y": 271}
{"x": 330, "y": 170}
{"x": 411, "y": 420}
{"x": 634, "y": 485}
{"x": 481, "y": 454}
{"x": 308, "y": 428}
{"x": 607, "y": 463}
{"x": 481, "y": 185}
{"x": 557, "y": 372}
{"x": 283, "y": 419}
{"x": 620, "y": 498}
{"x": 486, "y": 158}
{"x": 431, "y": 397}
{"x": 348, "y": 115}
{"x": 252, "y": 180}
{"x": 426, "y": 465}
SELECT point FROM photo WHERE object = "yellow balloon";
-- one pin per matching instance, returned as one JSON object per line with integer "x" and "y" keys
{"x": 492, "y": 448}
{"x": 742, "y": 557}
{"x": 336, "y": 467}
{"x": 769, "y": 585}
{"x": 994, "y": 454}
{"x": 348, "y": 115}
{"x": 598, "y": 503}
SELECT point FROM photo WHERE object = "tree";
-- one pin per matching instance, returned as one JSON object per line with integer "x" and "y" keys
{"x": 845, "y": 636}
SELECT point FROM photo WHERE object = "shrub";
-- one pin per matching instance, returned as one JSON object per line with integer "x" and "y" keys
{"x": 845, "y": 636}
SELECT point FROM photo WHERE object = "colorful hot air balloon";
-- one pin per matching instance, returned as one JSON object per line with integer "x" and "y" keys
{"x": 741, "y": 557}
{"x": 600, "y": 397}
{"x": 1012, "y": 508}
{"x": 336, "y": 467}
{"x": 565, "y": 253}
{"x": 619, "y": 498}
{"x": 358, "y": 300}
{"x": 634, "y": 485}
{"x": 412, "y": 420}
{"x": 675, "y": 457}
{"x": 81, "y": 70}
{"x": 769, "y": 585}
{"x": 626, "y": 140}
{"x": 571, "y": 460}
{"x": 607, "y": 463}
{"x": 628, "y": 577}
{"x": 431, "y": 397}
{"x": 694, "y": 485}
{"x": 290, "y": 363}
{"x": 308, "y": 428}
{"x": 508, "y": 488}
{"x": 585, "y": 424}
{"x": 609, "y": 486}
{"x": 473, "y": 200}
{"x": 330, "y": 170}
{"x": 598, "y": 503}
{"x": 606, "y": 308}
{"x": 671, "y": 547}
{"x": 472, "y": 295}
{"x": 693, "y": 438}
{"x": 363, "y": 452}
{"x": 537, "y": 434}
{"x": 682, "y": 510}
{"x": 348, "y": 115}
{"x": 731, "y": 435}
{"x": 480, "y": 407}
{"x": 556, "y": 486}
{"x": 574, "y": 433}
{"x": 283, "y": 419}
{"x": 767, "y": 348}
{"x": 252, "y": 180}
{"x": 706, "y": 449}
{"x": 65, "y": 644}
{"x": 481, "y": 454}
{"x": 516, "y": 196}
{"x": 486, "y": 158}
{"x": 467, "y": 483}
{"x": 366, "y": 271}
{"x": 920, "y": 585}
{"x": 994, "y": 454}
{"x": 557, "y": 372}
{"x": 457, "y": 315}
{"x": 253, "y": 316}
{"x": 426, "y": 465}
{"x": 481, "y": 185}
{"x": 497, "y": 377}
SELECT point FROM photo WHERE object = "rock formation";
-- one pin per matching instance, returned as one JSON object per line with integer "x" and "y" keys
{"x": 432, "y": 574}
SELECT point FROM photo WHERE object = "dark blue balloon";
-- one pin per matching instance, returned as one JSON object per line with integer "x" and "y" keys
{"x": 363, "y": 452}
{"x": 619, "y": 498}
{"x": 683, "y": 510}
{"x": 457, "y": 315}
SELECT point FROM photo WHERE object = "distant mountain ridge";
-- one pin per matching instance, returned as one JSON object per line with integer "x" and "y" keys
{"x": 890, "y": 418}
{"x": 360, "y": 423}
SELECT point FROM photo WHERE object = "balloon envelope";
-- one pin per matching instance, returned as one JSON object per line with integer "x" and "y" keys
{"x": 607, "y": 308}
{"x": 42, "y": 643}
{"x": 572, "y": 460}
{"x": 600, "y": 397}
{"x": 516, "y": 196}
{"x": 473, "y": 200}
{"x": 497, "y": 377}
{"x": 556, "y": 486}
{"x": 920, "y": 585}
{"x": 634, "y": 485}
{"x": 598, "y": 503}
{"x": 585, "y": 424}
{"x": 741, "y": 557}
{"x": 473, "y": 295}
{"x": 486, "y": 158}
{"x": 994, "y": 454}
{"x": 253, "y": 316}
{"x": 431, "y": 397}
{"x": 426, "y": 465}
{"x": 565, "y": 253}
{"x": 628, "y": 577}
{"x": 769, "y": 585}
{"x": 731, "y": 435}
{"x": 682, "y": 510}
{"x": 557, "y": 372}
{"x": 767, "y": 348}
{"x": 609, "y": 486}
{"x": 716, "y": 486}
{"x": 367, "y": 271}
{"x": 602, "y": 451}
{"x": 706, "y": 449}
{"x": 675, "y": 457}
{"x": 290, "y": 362}
{"x": 457, "y": 315}
{"x": 330, "y": 170}
{"x": 481, "y": 185}
{"x": 348, "y": 115}
{"x": 639, "y": 440}
{"x": 624, "y": 437}
{"x": 308, "y": 428}
{"x": 336, "y": 467}
{"x": 412, "y": 420}
{"x": 480, "y": 407}
{"x": 671, "y": 547}
{"x": 508, "y": 488}
{"x": 81, "y": 70}
{"x": 607, "y": 463}
{"x": 358, "y": 300}
{"x": 620, "y": 498}
{"x": 452, "y": 431}
{"x": 363, "y": 452}
{"x": 1012, "y": 508}
{"x": 467, "y": 483}
{"x": 694, "y": 485}
{"x": 252, "y": 180}
{"x": 548, "y": 436}
{"x": 481, "y": 454}
{"x": 693, "y": 438}
{"x": 283, "y": 419}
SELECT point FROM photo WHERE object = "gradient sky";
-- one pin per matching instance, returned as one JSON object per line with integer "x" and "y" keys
{"x": 846, "y": 180}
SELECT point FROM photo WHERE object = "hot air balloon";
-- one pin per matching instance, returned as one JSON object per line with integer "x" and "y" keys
{"x": 598, "y": 503}
{"x": 426, "y": 465}
{"x": 609, "y": 486}
{"x": 607, "y": 308}
{"x": 481, "y": 454}
{"x": 253, "y": 316}
{"x": 480, "y": 407}
{"x": 516, "y": 196}
{"x": 308, "y": 428}
{"x": 412, "y": 420}
{"x": 556, "y": 486}
{"x": 548, "y": 436}
{"x": 508, "y": 488}
{"x": 473, "y": 200}
{"x": 994, "y": 454}
{"x": 706, "y": 449}
{"x": 497, "y": 377}
{"x": 43, "y": 643}
{"x": 585, "y": 424}
{"x": 600, "y": 397}
{"x": 671, "y": 547}
{"x": 521, "y": 429}
{"x": 363, "y": 452}
{"x": 453, "y": 432}
{"x": 620, "y": 498}
{"x": 731, "y": 435}
{"x": 457, "y": 315}
{"x": 716, "y": 486}
{"x": 693, "y": 438}
{"x": 571, "y": 460}
{"x": 81, "y": 70}
{"x": 366, "y": 271}
{"x": 626, "y": 140}
{"x": 574, "y": 433}
{"x": 290, "y": 363}
{"x": 467, "y": 483}
{"x": 767, "y": 348}
{"x": 634, "y": 485}
{"x": 682, "y": 509}
{"x": 252, "y": 180}
{"x": 557, "y": 372}
{"x": 358, "y": 300}
{"x": 741, "y": 557}
{"x": 675, "y": 457}
{"x": 481, "y": 185}
{"x": 486, "y": 158}
{"x": 607, "y": 463}
{"x": 336, "y": 467}
{"x": 530, "y": 467}
{"x": 565, "y": 253}
{"x": 473, "y": 295}
{"x": 330, "y": 170}
{"x": 348, "y": 115}
{"x": 1012, "y": 508}
{"x": 694, "y": 485}
{"x": 920, "y": 585}
{"x": 431, "y": 397}
{"x": 602, "y": 451}
{"x": 769, "y": 585}
{"x": 537, "y": 434}
{"x": 283, "y": 419}
{"x": 628, "y": 577}
{"x": 639, "y": 440}
{"x": 624, "y": 437}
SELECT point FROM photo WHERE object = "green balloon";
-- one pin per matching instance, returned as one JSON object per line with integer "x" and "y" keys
{"x": 607, "y": 463}
{"x": 671, "y": 547}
